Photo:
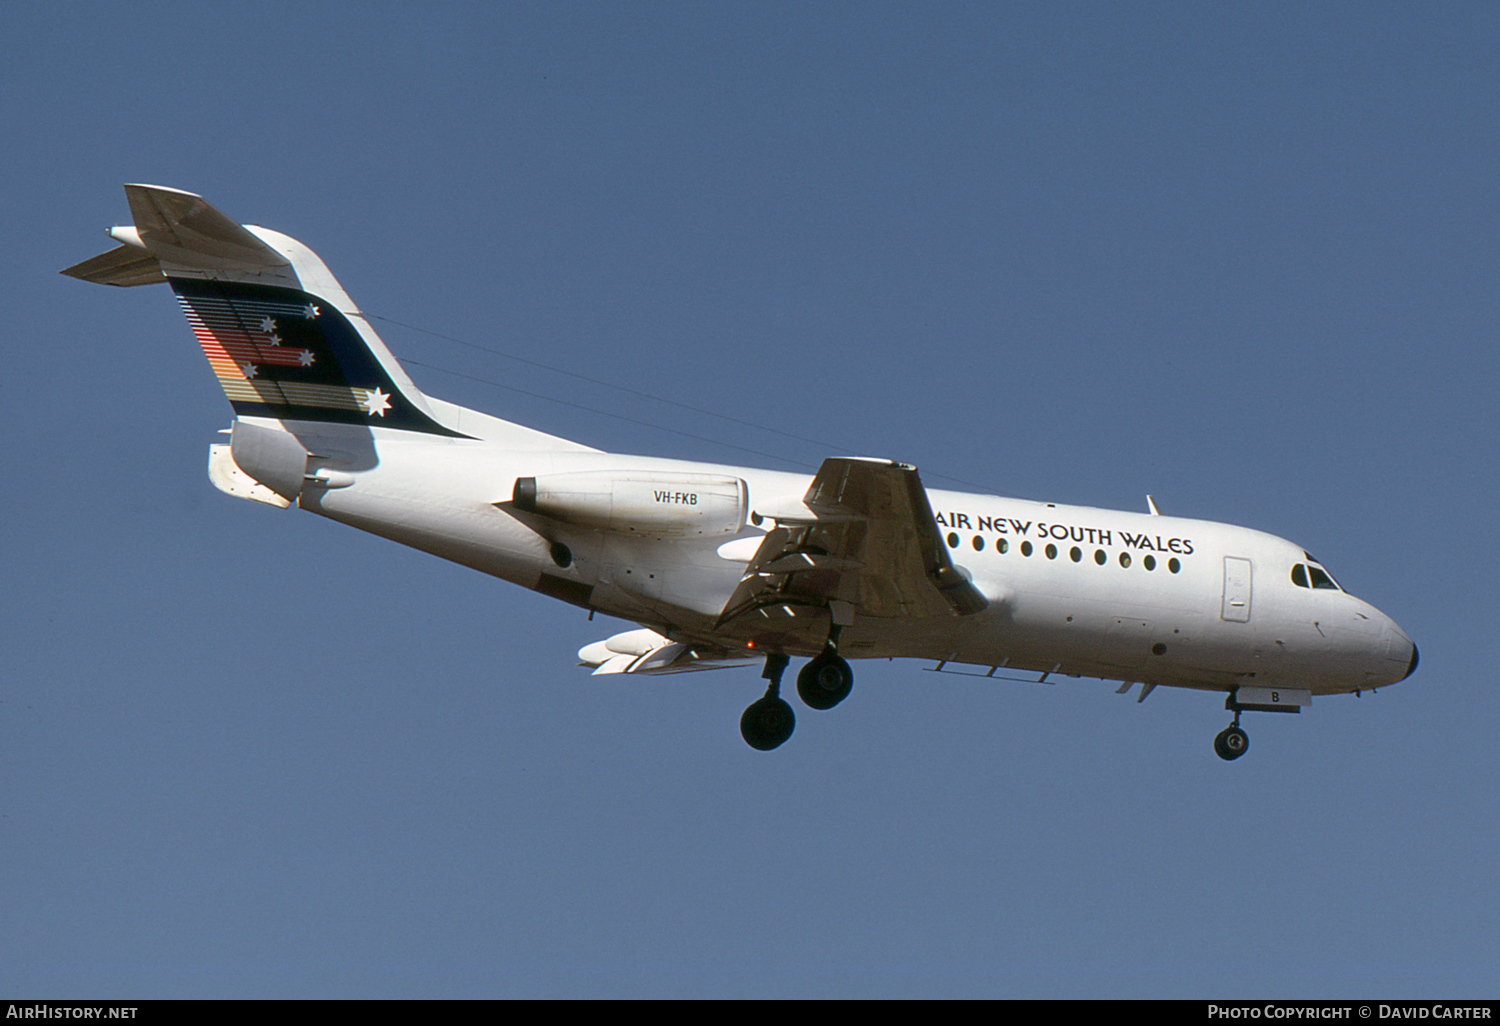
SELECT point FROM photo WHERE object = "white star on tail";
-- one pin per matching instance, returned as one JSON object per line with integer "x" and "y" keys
{"x": 376, "y": 403}
{"x": 310, "y": 311}
{"x": 268, "y": 326}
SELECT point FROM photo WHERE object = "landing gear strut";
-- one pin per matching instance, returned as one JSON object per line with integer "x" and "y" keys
{"x": 768, "y": 722}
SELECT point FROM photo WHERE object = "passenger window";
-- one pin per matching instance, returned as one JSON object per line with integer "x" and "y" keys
{"x": 1075, "y": 554}
{"x": 1002, "y": 546}
{"x": 1026, "y": 548}
{"x": 1299, "y": 576}
{"x": 1100, "y": 557}
{"x": 1321, "y": 580}
{"x": 1174, "y": 564}
{"x": 1051, "y": 551}
{"x": 1149, "y": 562}
{"x": 978, "y": 543}
{"x": 1125, "y": 559}
{"x": 952, "y": 540}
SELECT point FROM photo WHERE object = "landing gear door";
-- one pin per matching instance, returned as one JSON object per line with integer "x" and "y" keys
{"x": 1236, "y": 590}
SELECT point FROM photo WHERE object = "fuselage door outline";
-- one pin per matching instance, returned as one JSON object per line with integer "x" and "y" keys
{"x": 1236, "y": 608}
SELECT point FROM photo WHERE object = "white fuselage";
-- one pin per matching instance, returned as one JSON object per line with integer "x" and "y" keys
{"x": 1070, "y": 590}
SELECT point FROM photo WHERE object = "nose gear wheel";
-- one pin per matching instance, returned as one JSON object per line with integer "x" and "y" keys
{"x": 1231, "y": 743}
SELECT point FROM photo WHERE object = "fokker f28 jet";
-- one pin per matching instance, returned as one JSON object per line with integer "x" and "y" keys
{"x": 724, "y": 565}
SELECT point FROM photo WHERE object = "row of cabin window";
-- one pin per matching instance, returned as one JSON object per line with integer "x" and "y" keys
{"x": 1002, "y": 545}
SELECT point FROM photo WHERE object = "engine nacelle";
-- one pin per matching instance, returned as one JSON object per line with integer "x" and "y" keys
{"x": 651, "y": 503}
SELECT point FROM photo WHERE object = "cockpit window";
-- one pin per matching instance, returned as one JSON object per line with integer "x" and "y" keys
{"x": 1320, "y": 578}
{"x": 1306, "y": 575}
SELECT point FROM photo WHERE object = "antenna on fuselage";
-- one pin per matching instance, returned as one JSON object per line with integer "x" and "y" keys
{"x": 1151, "y": 507}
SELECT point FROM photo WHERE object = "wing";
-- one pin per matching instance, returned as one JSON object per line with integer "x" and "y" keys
{"x": 861, "y": 540}
{"x": 645, "y": 651}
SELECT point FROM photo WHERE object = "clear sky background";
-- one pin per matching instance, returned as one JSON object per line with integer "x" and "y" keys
{"x": 1242, "y": 257}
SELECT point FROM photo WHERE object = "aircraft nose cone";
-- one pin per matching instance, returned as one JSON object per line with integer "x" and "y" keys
{"x": 1411, "y": 667}
{"x": 1399, "y": 650}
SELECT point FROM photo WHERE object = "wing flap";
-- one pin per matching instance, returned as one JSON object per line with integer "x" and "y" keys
{"x": 646, "y": 651}
{"x": 863, "y": 535}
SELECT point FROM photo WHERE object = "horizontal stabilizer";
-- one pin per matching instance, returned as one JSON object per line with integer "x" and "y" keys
{"x": 183, "y": 229}
{"x": 177, "y": 232}
{"x": 124, "y": 266}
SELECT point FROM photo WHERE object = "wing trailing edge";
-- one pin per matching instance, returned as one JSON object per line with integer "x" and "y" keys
{"x": 646, "y": 651}
{"x": 862, "y": 538}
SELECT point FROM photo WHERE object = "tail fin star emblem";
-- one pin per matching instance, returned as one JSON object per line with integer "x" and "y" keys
{"x": 376, "y": 403}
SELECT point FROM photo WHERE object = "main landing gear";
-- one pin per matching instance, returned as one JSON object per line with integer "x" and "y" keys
{"x": 822, "y": 684}
{"x": 825, "y": 681}
{"x": 767, "y": 723}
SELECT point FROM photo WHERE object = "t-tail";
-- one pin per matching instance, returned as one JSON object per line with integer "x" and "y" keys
{"x": 279, "y": 332}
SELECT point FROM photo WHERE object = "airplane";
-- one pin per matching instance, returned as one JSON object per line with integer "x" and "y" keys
{"x": 723, "y": 566}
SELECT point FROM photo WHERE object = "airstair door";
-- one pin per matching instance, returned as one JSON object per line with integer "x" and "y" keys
{"x": 1236, "y": 590}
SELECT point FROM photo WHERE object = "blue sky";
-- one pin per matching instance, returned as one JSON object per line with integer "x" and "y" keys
{"x": 1243, "y": 259}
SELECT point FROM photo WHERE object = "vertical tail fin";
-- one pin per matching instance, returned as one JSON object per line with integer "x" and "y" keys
{"x": 279, "y": 332}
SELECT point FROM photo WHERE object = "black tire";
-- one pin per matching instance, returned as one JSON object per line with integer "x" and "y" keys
{"x": 1231, "y": 743}
{"x": 767, "y": 724}
{"x": 825, "y": 682}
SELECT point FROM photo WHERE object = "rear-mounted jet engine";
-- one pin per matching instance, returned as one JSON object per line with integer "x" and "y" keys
{"x": 655, "y": 504}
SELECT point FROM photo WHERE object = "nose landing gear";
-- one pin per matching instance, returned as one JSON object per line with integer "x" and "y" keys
{"x": 1232, "y": 742}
